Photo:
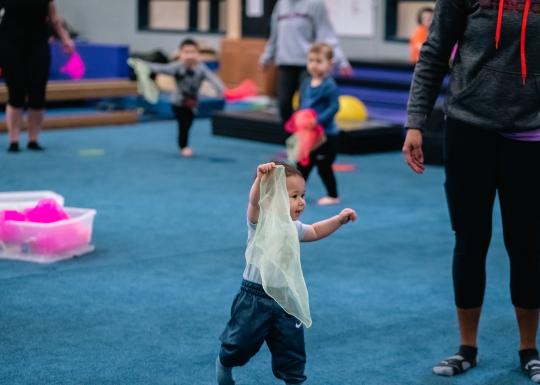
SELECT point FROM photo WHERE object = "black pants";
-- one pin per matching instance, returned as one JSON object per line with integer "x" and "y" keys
{"x": 323, "y": 158}
{"x": 289, "y": 79}
{"x": 478, "y": 165}
{"x": 26, "y": 68}
{"x": 256, "y": 318}
{"x": 184, "y": 117}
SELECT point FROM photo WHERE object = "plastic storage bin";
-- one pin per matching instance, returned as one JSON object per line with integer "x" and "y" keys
{"x": 48, "y": 242}
{"x": 25, "y": 199}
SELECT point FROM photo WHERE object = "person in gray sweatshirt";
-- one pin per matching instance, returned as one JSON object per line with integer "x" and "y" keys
{"x": 295, "y": 26}
{"x": 492, "y": 146}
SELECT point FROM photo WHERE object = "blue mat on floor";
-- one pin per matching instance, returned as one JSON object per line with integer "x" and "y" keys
{"x": 147, "y": 307}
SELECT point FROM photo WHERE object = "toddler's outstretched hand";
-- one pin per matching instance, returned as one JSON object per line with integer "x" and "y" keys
{"x": 265, "y": 168}
{"x": 346, "y": 216}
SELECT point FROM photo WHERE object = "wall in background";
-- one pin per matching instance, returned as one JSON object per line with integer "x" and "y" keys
{"x": 115, "y": 22}
{"x": 106, "y": 21}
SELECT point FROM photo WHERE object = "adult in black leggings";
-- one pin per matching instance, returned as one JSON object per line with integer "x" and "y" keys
{"x": 24, "y": 35}
{"x": 492, "y": 145}
{"x": 289, "y": 78}
{"x": 295, "y": 26}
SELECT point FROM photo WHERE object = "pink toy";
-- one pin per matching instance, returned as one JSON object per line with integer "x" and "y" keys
{"x": 309, "y": 134}
{"x": 9, "y": 233}
{"x": 74, "y": 67}
{"x": 46, "y": 211}
{"x": 11, "y": 215}
{"x": 59, "y": 239}
{"x": 52, "y": 240}
{"x": 245, "y": 89}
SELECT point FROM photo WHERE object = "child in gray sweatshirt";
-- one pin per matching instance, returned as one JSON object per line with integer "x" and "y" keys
{"x": 189, "y": 73}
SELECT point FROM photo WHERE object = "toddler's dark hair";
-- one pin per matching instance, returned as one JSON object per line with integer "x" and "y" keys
{"x": 421, "y": 12}
{"x": 189, "y": 42}
{"x": 289, "y": 169}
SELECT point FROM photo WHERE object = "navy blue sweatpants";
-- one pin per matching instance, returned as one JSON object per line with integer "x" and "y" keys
{"x": 256, "y": 318}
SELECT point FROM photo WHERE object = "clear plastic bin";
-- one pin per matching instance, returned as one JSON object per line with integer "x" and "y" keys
{"x": 48, "y": 242}
{"x": 21, "y": 200}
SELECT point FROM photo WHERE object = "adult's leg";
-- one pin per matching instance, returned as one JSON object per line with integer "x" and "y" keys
{"x": 14, "y": 121}
{"x": 470, "y": 155}
{"x": 38, "y": 74}
{"x": 16, "y": 82}
{"x": 35, "y": 123}
{"x": 289, "y": 78}
{"x": 519, "y": 194}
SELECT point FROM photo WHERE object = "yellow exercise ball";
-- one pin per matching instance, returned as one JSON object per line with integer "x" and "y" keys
{"x": 351, "y": 109}
{"x": 296, "y": 101}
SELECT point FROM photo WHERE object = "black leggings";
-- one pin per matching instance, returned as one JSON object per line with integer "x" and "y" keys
{"x": 26, "y": 68}
{"x": 184, "y": 117}
{"x": 289, "y": 79}
{"x": 479, "y": 164}
{"x": 323, "y": 157}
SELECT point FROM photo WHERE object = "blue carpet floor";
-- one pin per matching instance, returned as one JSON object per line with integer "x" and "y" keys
{"x": 148, "y": 305}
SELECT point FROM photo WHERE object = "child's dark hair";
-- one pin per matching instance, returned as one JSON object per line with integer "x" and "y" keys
{"x": 421, "y": 12}
{"x": 323, "y": 49}
{"x": 289, "y": 169}
{"x": 189, "y": 42}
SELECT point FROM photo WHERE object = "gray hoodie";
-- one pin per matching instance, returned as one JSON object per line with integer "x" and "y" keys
{"x": 188, "y": 81}
{"x": 296, "y": 25}
{"x": 496, "y": 74}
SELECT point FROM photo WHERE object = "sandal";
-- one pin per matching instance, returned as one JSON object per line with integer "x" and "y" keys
{"x": 532, "y": 368}
{"x": 455, "y": 365}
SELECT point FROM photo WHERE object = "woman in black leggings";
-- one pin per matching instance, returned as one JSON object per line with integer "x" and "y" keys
{"x": 24, "y": 35}
{"x": 492, "y": 146}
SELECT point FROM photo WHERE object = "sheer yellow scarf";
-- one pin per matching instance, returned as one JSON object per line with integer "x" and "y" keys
{"x": 275, "y": 249}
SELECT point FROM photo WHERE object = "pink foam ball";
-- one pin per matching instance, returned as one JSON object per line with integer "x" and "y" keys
{"x": 46, "y": 211}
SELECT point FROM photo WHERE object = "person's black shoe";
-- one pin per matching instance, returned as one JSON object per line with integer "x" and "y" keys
{"x": 13, "y": 147}
{"x": 34, "y": 146}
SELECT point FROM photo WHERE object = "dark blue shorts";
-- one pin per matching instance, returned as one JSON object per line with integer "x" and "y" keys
{"x": 256, "y": 318}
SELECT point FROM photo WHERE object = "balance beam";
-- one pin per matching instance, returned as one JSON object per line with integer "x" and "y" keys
{"x": 85, "y": 120}
{"x": 64, "y": 90}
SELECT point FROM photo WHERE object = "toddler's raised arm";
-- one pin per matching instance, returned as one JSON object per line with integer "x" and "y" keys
{"x": 253, "y": 204}
{"x": 326, "y": 227}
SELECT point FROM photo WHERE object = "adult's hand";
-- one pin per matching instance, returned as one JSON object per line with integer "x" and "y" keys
{"x": 264, "y": 67}
{"x": 68, "y": 46}
{"x": 346, "y": 71}
{"x": 412, "y": 150}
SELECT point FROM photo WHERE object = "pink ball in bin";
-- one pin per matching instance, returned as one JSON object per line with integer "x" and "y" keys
{"x": 12, "y": 215}
{"x": 60, "y": 239}
{"x": 46, "y": 211}
{"x": 8, "y": 232}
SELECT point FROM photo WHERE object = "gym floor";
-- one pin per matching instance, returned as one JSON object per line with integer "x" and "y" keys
{"x": 147, "y": 307}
